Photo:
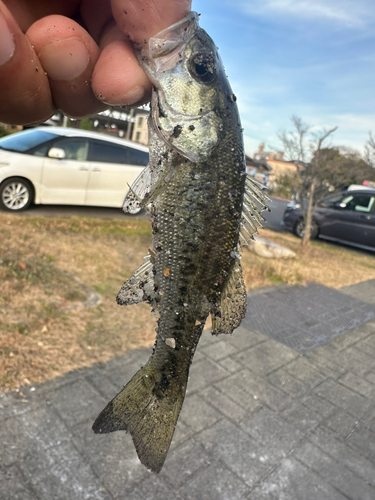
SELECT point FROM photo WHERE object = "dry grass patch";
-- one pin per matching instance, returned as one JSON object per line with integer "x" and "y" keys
{"x": 329, "y": 265}
{"x": 44, "y": 329}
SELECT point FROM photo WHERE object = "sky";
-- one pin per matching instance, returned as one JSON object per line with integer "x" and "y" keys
{"x": 311, "y": 58}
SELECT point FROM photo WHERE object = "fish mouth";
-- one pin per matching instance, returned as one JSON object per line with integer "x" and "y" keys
{"x": 164, "y": 49}
{"x": 172, "y": 37}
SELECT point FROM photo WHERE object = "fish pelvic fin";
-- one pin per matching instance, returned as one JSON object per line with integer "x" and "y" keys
{"x": 137, "y": 194}
{"x": 230, "y": 310}
{"x": 140, "y": 287}
{"x": 148, "y": 408}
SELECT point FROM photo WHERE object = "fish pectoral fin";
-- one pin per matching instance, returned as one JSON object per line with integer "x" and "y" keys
{"x": 255, "y": 202}
{"x": 137, "y": 194}
{"x": 230, "y": 311}
{"x": 140, "y": 287}
{"x": 149, "y": 411}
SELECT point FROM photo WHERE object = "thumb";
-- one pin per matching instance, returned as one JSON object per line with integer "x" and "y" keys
{"x": 142, "y": 19}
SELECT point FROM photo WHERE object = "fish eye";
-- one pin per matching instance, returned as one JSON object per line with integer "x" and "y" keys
{"x": 203, "y": 68}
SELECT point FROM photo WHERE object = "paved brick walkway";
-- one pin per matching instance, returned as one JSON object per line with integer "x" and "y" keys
{"x": 305, "y": 317}
{"x": 260, "y": 422}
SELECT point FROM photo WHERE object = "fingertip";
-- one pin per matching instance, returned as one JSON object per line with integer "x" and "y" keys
{"x": 7, "y": 45}
{"x": 64, "y": 60}
{"x": 68, "y": 55}
{"x": 25, "y": 95}
{"x": 118, "y": 80}
{"x": 63, "y": 46}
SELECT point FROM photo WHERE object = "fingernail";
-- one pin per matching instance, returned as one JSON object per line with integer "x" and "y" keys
{"x": 6, "y": 42}
{"x": 135, "y": 95}
{"x": 64, "y": 60}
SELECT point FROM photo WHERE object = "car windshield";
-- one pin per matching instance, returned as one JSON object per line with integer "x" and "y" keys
{"x": 22, "y": 142}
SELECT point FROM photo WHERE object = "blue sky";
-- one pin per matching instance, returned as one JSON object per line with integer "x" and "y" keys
{"x": 311, "y": 58}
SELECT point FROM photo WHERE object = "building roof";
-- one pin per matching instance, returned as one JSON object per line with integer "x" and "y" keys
{"x": 250, "y": 162}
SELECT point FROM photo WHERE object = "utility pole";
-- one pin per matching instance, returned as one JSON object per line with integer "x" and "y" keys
{"x": 129, "y": 129}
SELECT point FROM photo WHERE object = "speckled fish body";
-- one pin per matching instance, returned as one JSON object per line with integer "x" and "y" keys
{"x": 201, "y": 205}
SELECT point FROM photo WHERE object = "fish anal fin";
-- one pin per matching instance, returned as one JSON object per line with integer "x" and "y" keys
{"x": 139, "y": 287}
{"x": 230, "y": 310}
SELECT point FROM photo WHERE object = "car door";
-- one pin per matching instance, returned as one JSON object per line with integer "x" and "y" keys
{"x": 326, "y": 214}
{"x": 354, "y": 219}
{"x": 64, "y": 181}
{"x": 113, "y": 167}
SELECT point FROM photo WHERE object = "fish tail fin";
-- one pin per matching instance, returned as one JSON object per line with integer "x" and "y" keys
{"x": 148, "y": 407}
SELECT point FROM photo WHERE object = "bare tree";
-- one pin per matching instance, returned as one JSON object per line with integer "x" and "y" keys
{"x": 303, "y": 148}
{"x": 370, "y": 150}
{"x": 295, "y": 142}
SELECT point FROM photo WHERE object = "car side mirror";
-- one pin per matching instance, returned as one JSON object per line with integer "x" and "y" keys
{"x": 339, "y": 205}
{"x": 57, "y": 153}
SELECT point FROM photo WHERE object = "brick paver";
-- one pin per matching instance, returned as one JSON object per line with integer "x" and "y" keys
{"x": 260, "y": 421}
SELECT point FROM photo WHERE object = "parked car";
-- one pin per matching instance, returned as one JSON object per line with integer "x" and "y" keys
{"x": 347, "y": 217}
{"x": 65, "y": 166}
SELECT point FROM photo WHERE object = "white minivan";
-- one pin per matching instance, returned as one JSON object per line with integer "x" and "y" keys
{"x": 66, "y": 166}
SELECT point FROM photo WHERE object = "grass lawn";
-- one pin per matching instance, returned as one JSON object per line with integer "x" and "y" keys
{"x": 44, "y": 329}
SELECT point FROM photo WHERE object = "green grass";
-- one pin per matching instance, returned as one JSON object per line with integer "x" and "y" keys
{"x": 274, "y": 277}
{"x": 86, "y": 225}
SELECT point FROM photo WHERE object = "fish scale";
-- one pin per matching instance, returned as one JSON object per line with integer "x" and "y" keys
{"x": 195, "y": 189}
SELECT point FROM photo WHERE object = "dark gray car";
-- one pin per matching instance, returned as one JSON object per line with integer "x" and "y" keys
{"x": 347, "y": 217}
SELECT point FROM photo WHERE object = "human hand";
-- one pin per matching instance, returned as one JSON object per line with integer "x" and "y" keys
{"x": 76, "y": 55}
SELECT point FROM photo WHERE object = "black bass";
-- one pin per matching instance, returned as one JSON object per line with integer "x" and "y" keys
{"x": 202, "y": 207}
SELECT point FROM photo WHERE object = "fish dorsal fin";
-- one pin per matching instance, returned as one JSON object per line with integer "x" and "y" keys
{"x": 138, "y": 191}
{"x": 139, "y": 287}
{"x": 255, "y": 202}
{"x": 230, "y": 310}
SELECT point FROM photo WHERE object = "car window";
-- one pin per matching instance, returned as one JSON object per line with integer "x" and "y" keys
{"x": 76, "y": 148}
{"x": 22, "y": 142}
{"x": 331, "y": 201}
{"x": 358, "y": 203}
{"x": 115, "y": 153}
{"x": 41, "y": 151}
{"x": 137, "y": 157}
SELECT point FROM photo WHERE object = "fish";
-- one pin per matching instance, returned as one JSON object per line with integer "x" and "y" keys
{"x": 203, "y": 207}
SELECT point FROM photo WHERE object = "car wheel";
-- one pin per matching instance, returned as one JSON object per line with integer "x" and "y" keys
{"x": 16, "y": 194}
{"x": 299, "y": 229}
{"x": 134, "y": 211}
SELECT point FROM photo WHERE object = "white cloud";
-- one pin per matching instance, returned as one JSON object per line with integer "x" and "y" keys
{"x": 362, "y": 123}
{"x": 349, "y": 13}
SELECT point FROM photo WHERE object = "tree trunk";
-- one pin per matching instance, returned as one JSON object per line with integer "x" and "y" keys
{"x": 308, "y": 215}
